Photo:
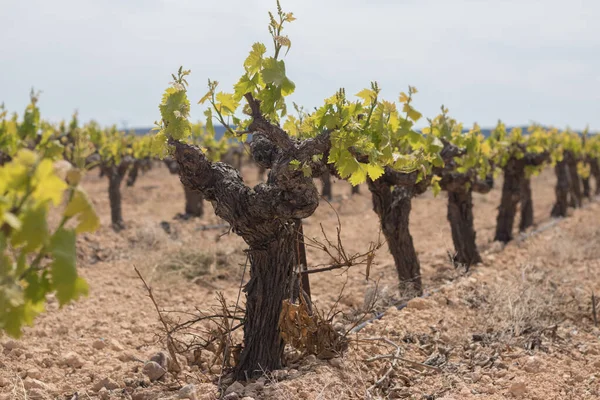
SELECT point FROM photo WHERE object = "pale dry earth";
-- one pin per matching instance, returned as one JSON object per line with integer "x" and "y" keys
{"x": 528, "y": 305}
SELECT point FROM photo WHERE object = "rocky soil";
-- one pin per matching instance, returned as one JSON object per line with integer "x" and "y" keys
{"x": 518, "y": 326}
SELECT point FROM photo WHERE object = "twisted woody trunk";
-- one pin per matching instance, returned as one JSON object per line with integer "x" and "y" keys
{"x": 266, "y": 217}
{"x": 512, "y": 189}
{"x": 460, "y": 188}
{"x": 392, "y": 197}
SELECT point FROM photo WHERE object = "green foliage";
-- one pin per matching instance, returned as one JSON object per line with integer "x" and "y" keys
{"x": 35, "y": 258}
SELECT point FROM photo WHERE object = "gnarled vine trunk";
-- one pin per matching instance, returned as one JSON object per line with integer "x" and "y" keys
{"x": 265, "y": 216}
{"x": 511, "y": 194}
{"x": 393, "y": 208}
{"x": 326, "y": 181}
{"x": 563, "y": 186}
{"x": 115, "y": 175}
{"x": 513, "y": 191}
{"x": 526, "y": 205}
{"x": 587, "y": 192}
{"x": 271, "y": 268}
{"x": 595, "y": 171}
{"x": 576, "y": 195}
{"x": 133, "y": 174}
{"x": 460, "y": 216}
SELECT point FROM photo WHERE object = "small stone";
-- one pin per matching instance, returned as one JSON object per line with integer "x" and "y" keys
{"x": 115, "y": 345}
{"x": 34, "y": 384}
{"x": 162, "y": 359}
{"x": 187, "y": 392}
{"x": 310, "y": 359}
{"x": 279, "y": 374}
{"x": 4, "y": 381}
{"x": 235, "y": 387}
{"x": 419, "y": 303}
{"x": 144, "y": 394}
{"x": 99, "y": 344}
{"x": 518, "y": 389}
{"x": 37, "y": 394}
{"x": 72, "y": 360}
{"x": 105, "y": 383}
{"x": 104, "y": 394}
{"x": 11, "y": 344}
{"x": 533, "y": 365}
{"x": 153, "y": 371}
{"x": 247, "y": 398}
{"x": 336, "y": 362}
{"x": 253, "y": 389}
{"x": 34, "y": 373}
{"x": 232, "y": 396}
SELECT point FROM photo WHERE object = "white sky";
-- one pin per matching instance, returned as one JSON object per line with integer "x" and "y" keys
{"x": 518, "y": 60}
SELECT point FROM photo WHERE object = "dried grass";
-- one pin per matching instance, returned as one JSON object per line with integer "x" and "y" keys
{"x": 522, "y": 305}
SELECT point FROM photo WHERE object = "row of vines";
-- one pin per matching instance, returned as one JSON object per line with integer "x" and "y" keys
{"x": 364, "y": 139}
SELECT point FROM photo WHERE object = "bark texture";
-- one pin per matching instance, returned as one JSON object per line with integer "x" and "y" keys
{"x": 514, "y": 174}
{"x": 563, "y": 186}
{"x": 271, "y": 269}
{"x": 326, "y": 181}
{"x": 511, "y": 194}
{"x": 587, "y": 192}
{"x": 393, "y": 208}
{"x": 265, "y": 216}
{"x": 595, "y": 171}
{"x": 115, "y": 175}
{"x": 460, "y": 188}
{"x": 526, "y": 205}
{"x": 460, "y": 216}
{"x": 576, "y": 195}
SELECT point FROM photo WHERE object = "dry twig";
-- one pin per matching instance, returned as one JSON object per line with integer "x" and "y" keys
{"x": 170, "y": 344}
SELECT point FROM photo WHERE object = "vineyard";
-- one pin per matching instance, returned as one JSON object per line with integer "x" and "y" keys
{"x": 355, "y": 250}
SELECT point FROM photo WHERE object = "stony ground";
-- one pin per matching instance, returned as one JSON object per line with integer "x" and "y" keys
{"x": 518, "y": 326}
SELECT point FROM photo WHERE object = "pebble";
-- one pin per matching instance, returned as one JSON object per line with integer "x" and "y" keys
{"x": 99, "y": 344}
{"x": 153, "y": 371}
{"x": 105, "y": 383}
{"x": 73, "y": 360}
{"x": 419, "y": 303}
{"x": 162, "y": 359}
{"x": 252, "y": 389}
{"x": 34, "y": 384}
{"x": 232, "y": 396}
{"x": 144, "y": 394}
{"x": 34, "y": 373}
{"x": 115, "y": 345}
{"x": 187, "y": 392}
{"x": 336, "y": 362}
{"x": 518, "y": 389}
{"x": 37, "y": 394}
{"x": 235, "y": 387}
{"x": 533, "y": 365}
{"x": 4, "y": 381}
{"x": 11, "y": 344}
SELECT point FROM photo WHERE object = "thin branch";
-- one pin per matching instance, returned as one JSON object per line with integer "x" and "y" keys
{"x": 170, "y": 343}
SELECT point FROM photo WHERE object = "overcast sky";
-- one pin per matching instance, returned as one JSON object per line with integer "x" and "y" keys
{"x": 520, "y": 61}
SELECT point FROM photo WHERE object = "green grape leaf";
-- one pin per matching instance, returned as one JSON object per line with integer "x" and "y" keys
{"x": 63, "y": 270}
{"x": 81, "y": 207}
{"x": 34, "y": 229}
{"x": 273, "y": 71}
{"x": 375, "y": 171}
{"x": 359, "y": 175}
{"x": 254, "y": 60}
